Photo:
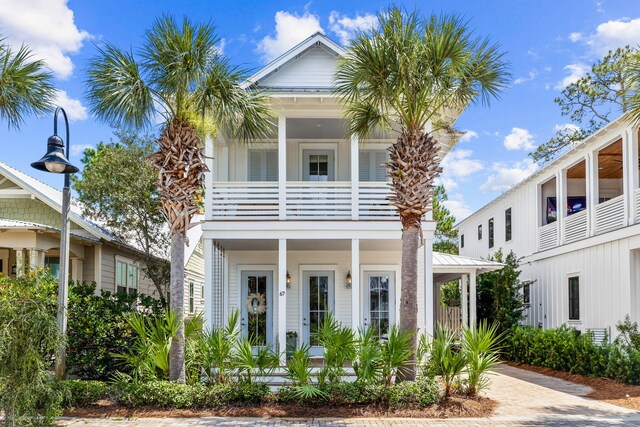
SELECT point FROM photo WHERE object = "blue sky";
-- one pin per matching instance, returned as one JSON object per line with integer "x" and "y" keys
{"x": 549, "y": 44}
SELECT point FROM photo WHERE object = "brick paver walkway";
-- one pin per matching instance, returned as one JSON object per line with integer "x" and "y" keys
{"x": 526, "y": 399}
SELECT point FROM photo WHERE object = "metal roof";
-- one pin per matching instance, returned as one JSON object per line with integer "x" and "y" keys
{"x": 449, "y": 262}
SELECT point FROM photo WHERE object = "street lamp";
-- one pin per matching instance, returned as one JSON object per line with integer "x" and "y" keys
{"x": 56, "y": 161}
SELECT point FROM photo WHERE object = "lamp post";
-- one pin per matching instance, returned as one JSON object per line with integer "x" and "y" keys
{"x": 56, "y": 161}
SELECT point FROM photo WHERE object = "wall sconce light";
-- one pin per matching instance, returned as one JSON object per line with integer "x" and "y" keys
{"x": 348, "y": 279}
{"x": 288, "y": 280}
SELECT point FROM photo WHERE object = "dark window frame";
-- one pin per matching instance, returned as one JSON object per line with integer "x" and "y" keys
{"x": 462, "y": 241}
{"x": 491, "y": 227}
{"x": 480, "y": 232}
{"x": 526, "y": 294}
{"x": 508, "y": 225}
{"x": 574, "y": 297}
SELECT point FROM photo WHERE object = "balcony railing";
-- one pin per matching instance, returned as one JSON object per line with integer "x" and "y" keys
{"x": 548, "y": 237}
{"x": 575, "y": 227}
{"x": 610, "y": 215}
{"x": 260, "y": 201}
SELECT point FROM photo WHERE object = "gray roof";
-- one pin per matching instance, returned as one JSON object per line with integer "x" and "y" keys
{"x": 442, "y": 261}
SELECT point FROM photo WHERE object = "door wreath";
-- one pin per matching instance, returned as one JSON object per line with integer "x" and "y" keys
{"x": 256, "y": 303}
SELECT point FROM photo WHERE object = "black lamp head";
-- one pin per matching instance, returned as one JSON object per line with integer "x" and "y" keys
{"x": 55, "y": 161}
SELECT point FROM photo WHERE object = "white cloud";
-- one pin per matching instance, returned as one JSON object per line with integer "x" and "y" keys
{"x": 47, "y": 27}
{"x": 290, "y": 30}
{"x": 565, "y": 126}
{"x": 449, "y": 183}
{"x": 507, "y": 175}
{"x": 613, "y": 34}
{"x": 73, "y": 107}
{"x": 574, "y": 37}
{"x": 532, "y": 75}
{"x": 468, "y": 135}
{"x": 458, "y": 207}
{"x": 457, "y": 163}
{"x": 345, "y": 27}
{"x": 599, "y": 7}
{"x": 576, "y": 72}
{"x": 519, "y": 139}
{"x": 78, "y": 149}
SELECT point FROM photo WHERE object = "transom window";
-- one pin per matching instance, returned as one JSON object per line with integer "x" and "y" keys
{"x": 126, "y": 277}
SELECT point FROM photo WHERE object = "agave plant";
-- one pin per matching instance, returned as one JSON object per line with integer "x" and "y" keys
{"x": 367, "y": 362}
{"x": 481, "y": 347}
{"x": 445, "y": 360}
{"x": 396, "y": 352}
{"x": 339, "y": 346}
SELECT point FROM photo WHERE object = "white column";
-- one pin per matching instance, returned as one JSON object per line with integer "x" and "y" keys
{"x": 76, "y": 269}
{"x": 561, "y": 204}
{"x": 20, "y": 261}
{"x": 355, "y": 283}
{"x": 463, "y": 300}
{"x": 97, "y": 267}
{"x": 208, "y": 284}
{"x": 472, "y": 299}
{"x": 282, "y": 300}
{"x": 631, "y": 166}
{"x": 627, "y": 193}
{"x": 429, "y": 306}
{"x": 208, "y": 176}
{"x": 355, "y": 177}
{"x": 282, "y": 167}
{"x": 592, "y": 191}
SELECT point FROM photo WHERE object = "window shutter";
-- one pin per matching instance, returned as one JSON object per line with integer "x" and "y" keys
{"x": 380, "y": 167}
{"x": 255, "y": 165}
{"x": 365, "y": 165}
{"x": 271, "y": 165}
{"x": 263, "y": 165}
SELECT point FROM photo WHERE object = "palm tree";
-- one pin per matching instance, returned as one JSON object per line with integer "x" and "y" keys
{"x": 25, "y": 85}
{"x": 403, "y": 74}
{"x": 181, "y": 79}
{"x": 634, "y": 83}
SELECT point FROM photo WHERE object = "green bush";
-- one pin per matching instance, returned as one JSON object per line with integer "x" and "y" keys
{"x": 358, "y": 393}
{"x": 29, "y": 339}
{"x": 422, "y": 392}
{"x": 81, "y": 392}
{"x": 566, "y": 349}
{"x": 97, "y": 329}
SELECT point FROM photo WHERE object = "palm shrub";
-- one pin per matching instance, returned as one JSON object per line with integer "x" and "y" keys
{"x": 367, "y": 361}
{"x": 481, "y": 347}
{"x": 251, "y": 358}
{"x": 408, "y": 71}
{"x": 180, "y": 76}
{"x": 396, "y": 352}
{"x": 445, "y": 359}
{"x": 29, "y": 339}
{"x": 339, "y": 346}
{"x": 298, "y": 370}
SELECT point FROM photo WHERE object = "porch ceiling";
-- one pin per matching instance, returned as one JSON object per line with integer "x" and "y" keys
{"x": 310, "y": 244}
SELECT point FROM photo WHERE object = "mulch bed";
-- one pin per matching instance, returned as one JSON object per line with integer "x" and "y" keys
{"x": 454, "y": 407}
{"x": 603, "y": 389}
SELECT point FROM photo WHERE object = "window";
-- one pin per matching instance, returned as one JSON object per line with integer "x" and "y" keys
{"x": 202, "y": 292}
{"x": 263, "y": 165}
{"x": 480, "y": 232}
{"x": 373, "y": 165}
{"x": 462, "y": 240}
{"x": 507, "y": 225}
{"x": 526, "y": 294}
{"x": 574, "y": 298}
{"x": 491, "y": 233}
{"x": 53, "y": 264}
{"x": 191, "y": 296}
{"x": 126, "y": 277}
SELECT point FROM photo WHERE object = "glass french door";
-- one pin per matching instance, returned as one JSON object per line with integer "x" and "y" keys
{"x": 318, "y": 303}
{"x": 318, "y": 165}
{"x": 256, "y": 304}
{"x": 379, "y": 300}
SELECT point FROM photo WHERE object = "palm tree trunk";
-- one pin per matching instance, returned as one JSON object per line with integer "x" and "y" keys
{"x": 176, "y": 355}
{"x": 409, "y": 295}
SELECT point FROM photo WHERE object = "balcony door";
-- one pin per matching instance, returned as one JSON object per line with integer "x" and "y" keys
{"x": 257, "y": 306}
{"x": 318, "y": 302}
{"x": 379, "y": 300}
{"x": 318, "y": 165}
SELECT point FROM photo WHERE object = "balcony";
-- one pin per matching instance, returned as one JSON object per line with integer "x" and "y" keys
{"x": 300, "y": 201}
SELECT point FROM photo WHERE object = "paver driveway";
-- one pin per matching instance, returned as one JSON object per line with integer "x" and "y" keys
{"x": 526, "y": 399}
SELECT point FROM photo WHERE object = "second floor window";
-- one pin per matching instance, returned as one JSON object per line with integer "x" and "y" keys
{"x": 480, "y": 232}
{"x": 526, "y": 294}
{"x": 262, "y": 165}
{"x": 507, "y": 224}
{"x": 191, "y": 297}
{"x": 372, "y": 165}
{"x": 126, "y": 277}
{"x": 462, "y": 240}
{"x": 491, "y": 233}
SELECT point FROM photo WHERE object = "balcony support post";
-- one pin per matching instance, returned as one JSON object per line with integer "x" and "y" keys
{"x": 632, "y": 166}
{"x": 592, "y": 192}
{"x": 561, "y": 203}
{"x": 282, "y": 168}
{"x": 355, "y": 177}
{"x": 627, "y": 191}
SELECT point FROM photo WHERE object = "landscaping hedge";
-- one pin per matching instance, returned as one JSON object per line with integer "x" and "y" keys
{"x": 566, "y": 349}
{"x": 77, "y": 393}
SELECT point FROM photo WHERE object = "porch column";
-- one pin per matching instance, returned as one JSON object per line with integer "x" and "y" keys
{"x": 561, "y": 204}
{"x": 627, "y": 192}
{"x": 463, "y": 300}
{"x": 633, "y": 171}
{"x": 76, "y": 269}
{"x": 282, "y": 167}
{"x": 355, "y": 177}
{"x": 208, "y": 177}
{"x": 472, "y": 299}
{"x": 429, "y": 307}
{"x": 282, "y": 300}
{"x": 355, "y": 283}
{"x": 20, "y": 261}
{"x": 592, "y": 191}
{"x": 36, "y": 259}
{"x": 208, "y": 284}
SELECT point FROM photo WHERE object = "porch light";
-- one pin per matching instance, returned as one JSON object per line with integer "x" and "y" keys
{"x": 288, "y": 280}
{"x": 348, "y": 279}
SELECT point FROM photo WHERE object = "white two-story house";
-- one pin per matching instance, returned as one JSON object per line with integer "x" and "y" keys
{"x": 576, "y": 222}
{"x": 298, "y": 225}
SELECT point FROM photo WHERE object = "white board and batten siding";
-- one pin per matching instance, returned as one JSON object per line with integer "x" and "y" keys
{"x": 314, "y": 68}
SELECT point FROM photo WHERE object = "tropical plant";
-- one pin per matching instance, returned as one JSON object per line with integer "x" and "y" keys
{"x": 26, "y": 85}
{"x": 339, "y": 346}
{"x": 413, "y": 73}
{"x": 396, "y": 352}
{"x": 367, "y": 362}
{"x": 298, "y": 370}
{"x": 29, "y": 339}
{"x": 250, "y": 357}
{"x": 215, "y": 350}
{"x": 181, "y": 77}
{"x": 445, "y": 359}
{"x": 481, "y": 347}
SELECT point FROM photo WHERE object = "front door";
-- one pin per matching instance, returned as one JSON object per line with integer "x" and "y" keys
{"x": 318, "y": 165}
{"x": 379, "y": 300}
{"x": 257, "y": 309}
{"x": 318, "y": 294}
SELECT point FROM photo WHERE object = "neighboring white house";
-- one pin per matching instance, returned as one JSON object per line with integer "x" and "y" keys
{"x": 576, "y": 222}
{"x": 298, "y": 225}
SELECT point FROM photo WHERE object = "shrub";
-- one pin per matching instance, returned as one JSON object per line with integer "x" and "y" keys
{"x": 481, "y": 349}
{"x": 445, "y": 359}
{"x": 338, "y": 342}
{"x": 81, "y": 392}
{"x": 307, "y": 394}
{"x": 396, "y": 351}
{"x": 357, "y": 393}
{"x": 422, "y": 392}
{"x": 97, "y": 329}
{"x": 29, "y": 338}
